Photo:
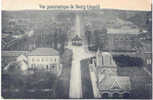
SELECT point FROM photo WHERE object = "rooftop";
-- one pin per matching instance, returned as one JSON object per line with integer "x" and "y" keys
{"x": 44, "y": 52}
{"x": 76, "y": 38}
{"x": 115, "y": 82}
{"x": 125, "y": 30}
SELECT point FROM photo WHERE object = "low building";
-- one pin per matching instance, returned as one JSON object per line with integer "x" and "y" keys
{"x": 118, "y": 42}
{"x": 9, "y": 56}
{"x": 44, "y": 59}
{"x": 77, "y": 41}
{"x": 22, "y": 62}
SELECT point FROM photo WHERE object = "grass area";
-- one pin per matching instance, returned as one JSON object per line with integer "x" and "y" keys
{"x": 62, "y": 87}
{"x": 140, "y": 82}
{"x": 86, "y": 81}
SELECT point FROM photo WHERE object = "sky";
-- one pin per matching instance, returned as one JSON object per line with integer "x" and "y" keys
{"x": 115, "y": 4}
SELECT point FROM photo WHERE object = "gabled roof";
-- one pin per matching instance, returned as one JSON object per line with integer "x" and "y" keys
{"x": 21, "y": 58}
{"x": 76, "y": 38}
{"x": 115, "y": 82}
{"x": 44, "y": 52}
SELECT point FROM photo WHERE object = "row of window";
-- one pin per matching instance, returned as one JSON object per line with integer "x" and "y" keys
{"x": 123, "y": 39}
{"x": 39, "y": 66}
{"x": 148, "y": 61}
{"x": 43, "y": 59}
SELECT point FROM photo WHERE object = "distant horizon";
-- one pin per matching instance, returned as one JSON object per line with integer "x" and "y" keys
{"x": 115, "y": 9}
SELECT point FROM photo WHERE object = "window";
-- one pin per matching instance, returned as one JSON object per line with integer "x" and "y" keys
{"x": 116, "y": 95}
{"x": 32, "y": 66}
{"x": 50, "y": 67}
{"x": 38, "y": 59}
{"x": 149, "y": 61}
{"x": 102, "y": 60}
{"x": 47, "y": 67}
{"x": 55, "y": 59}
{"x": 42, "y": 59}
{"x": 53, "y": 66}
{"x": 33, "y": 59}
{"x": 105, "y": 95}
{"x": 110, "y": 60}
{"x": 46, "y": 59}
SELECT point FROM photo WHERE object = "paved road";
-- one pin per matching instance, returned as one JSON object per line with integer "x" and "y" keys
{"x": 79, "y": 54}
{"x": 75, "y": 81}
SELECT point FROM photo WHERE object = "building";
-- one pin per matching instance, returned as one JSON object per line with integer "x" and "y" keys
{"x": 108, "y": 82}
{"x": 9, "y": 56}
{"x": 114, "y": 86}
{"x": 105, "y": 63}
{"x": 22, "y": 62}
{"x": 126, "y": 42}
{"x": 14, "y": 57}
{"x": 44, "y": 59}
{"x": 77, "y": 41}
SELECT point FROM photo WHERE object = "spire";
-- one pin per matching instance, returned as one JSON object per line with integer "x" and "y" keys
{"x": 98, "y": 51}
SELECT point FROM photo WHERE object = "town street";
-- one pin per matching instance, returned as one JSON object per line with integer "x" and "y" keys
{"x": 75, "y": 81}
{"x": 79, "y": 54}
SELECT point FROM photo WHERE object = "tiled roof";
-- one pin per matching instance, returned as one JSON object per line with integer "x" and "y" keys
{"x": 113, "y": 82}
{"x": 44, "y": 52}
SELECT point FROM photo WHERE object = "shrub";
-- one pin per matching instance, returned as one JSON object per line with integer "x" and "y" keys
{"x": 123, "y": 61}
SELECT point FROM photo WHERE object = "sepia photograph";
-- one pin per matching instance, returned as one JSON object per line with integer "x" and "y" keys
{"x": 76, "y": 54}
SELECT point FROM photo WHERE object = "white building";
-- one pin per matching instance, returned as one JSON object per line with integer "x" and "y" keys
{"x": 44, "y": 59}
{"x": 22, "y": 61}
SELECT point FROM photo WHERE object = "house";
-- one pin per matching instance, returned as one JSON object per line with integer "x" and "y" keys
{"x": 109, "y": 83}
{"x": 44, "y": 59}
{"x": 9, "y": 56}
{"x": 22, "y": 62}
{"x": 77, "y": 41}
{"x": 14, "y": 57}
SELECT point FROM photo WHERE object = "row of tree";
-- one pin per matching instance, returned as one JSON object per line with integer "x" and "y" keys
{"x": 96, "y": 39}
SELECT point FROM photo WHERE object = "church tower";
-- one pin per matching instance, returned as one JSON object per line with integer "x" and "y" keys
{"x": 105, "y": 63}
{"x": 98, "y": 58}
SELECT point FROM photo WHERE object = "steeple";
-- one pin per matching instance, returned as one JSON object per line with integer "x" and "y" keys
{"x": 98, "y": 57}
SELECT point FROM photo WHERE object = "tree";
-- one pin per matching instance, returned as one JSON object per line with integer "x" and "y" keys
{"x": 100, "y": 38}
{"x": 88, "y": 36}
